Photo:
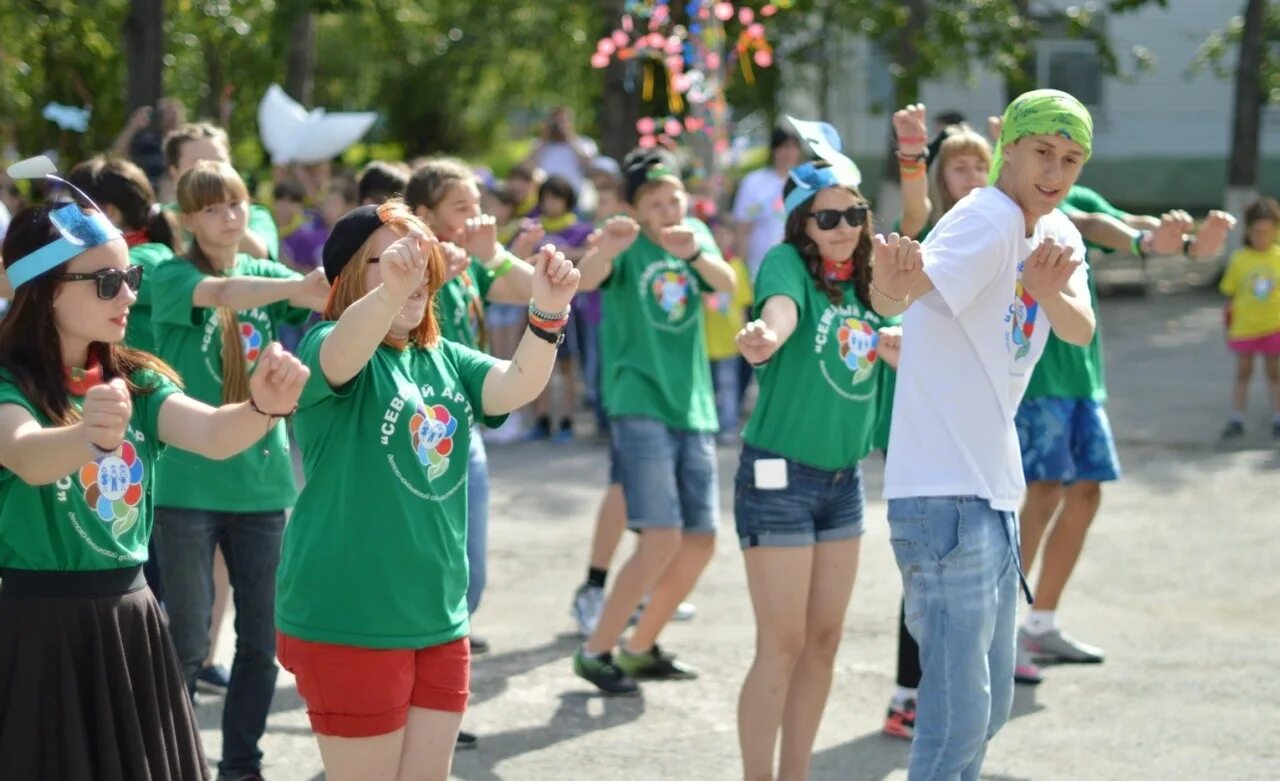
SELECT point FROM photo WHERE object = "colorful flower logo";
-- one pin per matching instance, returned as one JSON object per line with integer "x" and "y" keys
{"x": 432, "y": 430}
{"x": 857, "y": 341}
{"x": 1262, "y": 284}
{"x": 1022, "y": 321}
{"x": 671, "y": 288}
{"x": 113, "y": 487}
{"x": 252, "y": 340}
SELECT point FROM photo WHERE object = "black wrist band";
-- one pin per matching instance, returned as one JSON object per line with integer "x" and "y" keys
{"x": 253, "y": 405}
{"x": 1187, "y": 241}
{"x": 550, "y": 337}
{"x": 690, "y": 260}
{"x": 762, "y": 363}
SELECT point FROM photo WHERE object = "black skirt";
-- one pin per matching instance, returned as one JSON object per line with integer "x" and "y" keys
{"x": 90, "y": 686}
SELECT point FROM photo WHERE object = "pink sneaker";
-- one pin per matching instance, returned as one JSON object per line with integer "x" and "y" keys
{"x": 1025, "y": 670}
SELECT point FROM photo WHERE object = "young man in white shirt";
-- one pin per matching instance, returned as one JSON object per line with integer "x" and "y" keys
{"x": 997, "y": 272}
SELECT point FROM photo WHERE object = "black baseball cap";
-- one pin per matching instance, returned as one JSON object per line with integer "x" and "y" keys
{"x": 347, "y": 237}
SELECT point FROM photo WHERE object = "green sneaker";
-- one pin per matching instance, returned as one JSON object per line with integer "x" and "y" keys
{"x": 601, "y": 672}
{"x": 655, "y": 665}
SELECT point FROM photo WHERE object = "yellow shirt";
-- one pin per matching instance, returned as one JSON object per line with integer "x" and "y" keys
{"x": 725, "y": 314}
{"x": 1250, "y": 281}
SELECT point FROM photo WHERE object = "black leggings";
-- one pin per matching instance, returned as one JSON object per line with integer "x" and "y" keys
{"x": 908, "y": 654}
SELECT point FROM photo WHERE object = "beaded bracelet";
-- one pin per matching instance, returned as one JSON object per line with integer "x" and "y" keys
{"x": 912, "y": 140}
{"x": 253, "y": 405}
{"x": 534, "y": 311}
{"x": 886, "y": 296}
{"x": 550, "y": 325}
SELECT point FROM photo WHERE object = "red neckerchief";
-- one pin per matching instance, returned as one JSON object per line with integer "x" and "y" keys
{"x": 837, "y": 270}
{"x": 134, "y": 238}
{"x": 79, "y": 381}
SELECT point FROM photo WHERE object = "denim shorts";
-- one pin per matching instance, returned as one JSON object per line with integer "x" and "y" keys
{"x": 816, "y": 506}
{"x": 1066, "y": 440}
{"x": 669, "y": 477}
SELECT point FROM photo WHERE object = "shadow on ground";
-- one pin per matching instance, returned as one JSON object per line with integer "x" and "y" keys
{"x": 874, "y": 756}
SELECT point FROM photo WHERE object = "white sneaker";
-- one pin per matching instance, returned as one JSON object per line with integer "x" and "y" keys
{"x": 685, "y": 611}
{"x": 1058, "y": 646}
{"x": 588, "y": 603}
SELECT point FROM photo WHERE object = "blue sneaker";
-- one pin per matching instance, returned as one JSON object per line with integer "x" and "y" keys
{"x": 562, "y": 436}
{"x": 213, "y": 679}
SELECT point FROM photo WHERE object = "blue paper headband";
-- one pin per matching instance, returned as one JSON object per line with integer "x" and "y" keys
{"x": 824, "y": 141}
{"x": 80, "y": 231}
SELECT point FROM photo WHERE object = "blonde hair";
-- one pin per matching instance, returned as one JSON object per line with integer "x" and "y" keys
{"x": 208, "y": 183}
{"x": 350, "y": 285}
{"x": 960, "y": 140}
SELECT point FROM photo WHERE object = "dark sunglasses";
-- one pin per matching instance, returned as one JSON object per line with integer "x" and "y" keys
{"x": 109, "y": 280}
{"x": 828, "y": 219}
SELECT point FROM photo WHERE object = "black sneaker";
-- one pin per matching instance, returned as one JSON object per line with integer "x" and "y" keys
{"x": 479, "y": 645}
{"x": 466, "y": 740}
{"x": 1234, "y": 430}
{"x": 603, "y": 674}
{"x": 654, "y": 665}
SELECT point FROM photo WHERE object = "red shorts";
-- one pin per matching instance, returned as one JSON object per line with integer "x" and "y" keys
{"x": 361, "y": 692}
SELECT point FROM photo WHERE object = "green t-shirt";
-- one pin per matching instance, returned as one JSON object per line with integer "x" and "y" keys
{"x": 375, "y": 553}
{"x": 140, "y": 333}
{"x": 460, "y": 305}
{"x": 1067, "y": 370}
{"x": 189, "y": 338}
{"x": 657, "y": 365}
{"x": 97, "y": 518}
{"x": 821, "y": 395}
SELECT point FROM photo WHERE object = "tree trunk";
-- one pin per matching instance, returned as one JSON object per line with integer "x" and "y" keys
{"x": 144, "y": 52}
{"x": 215, "y": 77}
{"x": 619, "y": 109}
{"x": 300, "y": 59}
{"x": 1242, "y": 165}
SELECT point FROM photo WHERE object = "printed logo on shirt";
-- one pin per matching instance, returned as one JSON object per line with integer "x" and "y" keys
{"x": 431, "y": 429}
{"x": 846, "y": 344}
{"x": 1262, "y": 283}
{"x": 664, "y": 288}
{"x": 1020, "y": 322}
{"x": 112, "y": 486}
{"x": 429, "y": 447}
{"x": 256, "y": 332}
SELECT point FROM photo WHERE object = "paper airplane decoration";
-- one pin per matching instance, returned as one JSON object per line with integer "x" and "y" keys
{"x": 292, "y": 134}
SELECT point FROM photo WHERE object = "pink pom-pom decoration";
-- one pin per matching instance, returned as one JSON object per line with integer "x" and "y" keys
{"x": 724, "y": 11}
{"x": 673, "y": 127}
{"x": 681, "y": 82}
{"x": 674, "y": 45}
{"x": 599, "y": 60}
{"x": 756, "y": 30}
{"x": 713, "y": 60}
{"x": 606, "y": 46}
{"x": 620, "y": 39}
{"x": 647, "y": 142}
{"x": 769, "y": 10}
{"x": 627, "y": 23}
{"x": 746, "y": 15}
{"x": 763, "y": 58}
{"x": 645, "y": 126}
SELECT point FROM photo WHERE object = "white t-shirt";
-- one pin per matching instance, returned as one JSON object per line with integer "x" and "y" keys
{"x": 970, "y": 345}
{"x": 559, "y": 158}
{"x": 759, "y": 203}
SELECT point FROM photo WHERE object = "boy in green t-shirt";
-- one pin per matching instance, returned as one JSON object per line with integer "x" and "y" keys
{"x": 657, "y": 391}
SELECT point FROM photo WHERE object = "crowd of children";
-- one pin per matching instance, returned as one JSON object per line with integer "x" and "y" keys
{"x": 432, "y": 307}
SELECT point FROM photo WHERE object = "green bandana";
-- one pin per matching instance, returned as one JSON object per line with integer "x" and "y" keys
{"x": 1044, "y": 112}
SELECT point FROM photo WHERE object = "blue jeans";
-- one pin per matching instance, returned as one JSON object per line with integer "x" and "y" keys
{"x": 477, "y": 520}
{"x": 960, "y": 573}
{"x": 818, "y": 505}
{"x": 670, "y": 478}
{"x": 250, "y": 542}
{"x": 724, "y": 378}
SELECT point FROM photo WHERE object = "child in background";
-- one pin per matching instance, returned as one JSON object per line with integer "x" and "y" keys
{"x": 342, "y": 197}
{"x": 506, "y": 322}
{"x": 556, "y": 202}
{"x": 302, "y": 233}
{"x": 726, "y": 315}
{"x": 1254, "y": 310}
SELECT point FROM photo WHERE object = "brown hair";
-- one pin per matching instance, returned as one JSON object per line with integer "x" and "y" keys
{"x": 205, "y": 184}
{"x": 960, "y": 140}
{"x": 1262, "y": 209}
{"x": 192, "y": 131}
{"x": 30, "y": 346}
{"x": 113, "y": 181}
{"x": 798, "y": 237}
{"x": 350, "y": 285}
{"x": 428, "y": 186}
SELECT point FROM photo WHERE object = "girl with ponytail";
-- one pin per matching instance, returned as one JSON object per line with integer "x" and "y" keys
{"x": 216, "y": 310}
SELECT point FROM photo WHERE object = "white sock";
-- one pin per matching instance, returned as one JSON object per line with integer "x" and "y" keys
{"x": 1040, "y": 621}
{"x": 901, "y": 694}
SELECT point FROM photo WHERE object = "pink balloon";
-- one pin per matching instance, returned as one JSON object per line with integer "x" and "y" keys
{"x": 756, "y": 30}
{"x": 673, "y": 127}
{"x": 599, "y": 60}
{"x": 746, "y": 15}
{"x": 769, "y": 10}
{"x": 763, "y": 58}
{"x": 713, "y": 60}
{"x": 645, "y": 126}
{"x": 620, "y": 39}
{"x": 724, "y": 11}
{"x": 648, "y": 142}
